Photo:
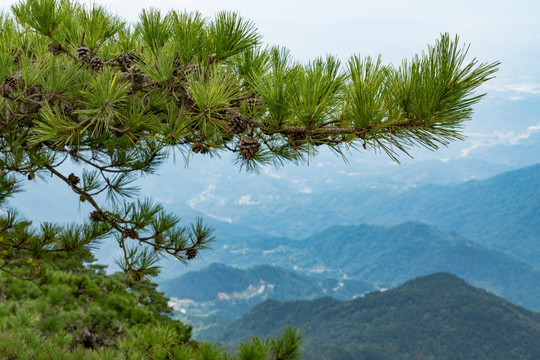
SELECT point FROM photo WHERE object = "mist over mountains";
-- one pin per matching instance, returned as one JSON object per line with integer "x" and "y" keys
{"x": 359, "y": 257}
{"x": 498, "y": 213}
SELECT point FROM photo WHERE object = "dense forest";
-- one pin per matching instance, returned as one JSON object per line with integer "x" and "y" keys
{"x": 433, "y": 317}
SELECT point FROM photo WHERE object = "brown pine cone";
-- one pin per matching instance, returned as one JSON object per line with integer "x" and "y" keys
{"x": 95, "y": 216}
{"x": 73, "y": 179}
{"x": 8, "y": 85}
{"x": 236, "y": 124}
{"x": 96, "y": 64}
{"x": 191, "y": 253}
{"x": 55, "y": 49}
{"x": 29, "y": 107}
{"x": 297, "y": 139}
{"x": 67, "y": 108}
{"x": 83, "y": 53}
{"x": 130, "y": 233}
{"x": 248, "y": 147}
{"x": 199, "y": 147}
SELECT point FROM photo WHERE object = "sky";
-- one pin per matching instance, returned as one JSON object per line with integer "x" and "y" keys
{"x": 506, "y": 31}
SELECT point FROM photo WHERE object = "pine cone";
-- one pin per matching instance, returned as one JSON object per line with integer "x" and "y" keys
{"x": 8, "y": 85}
{"x": 95, "y": 216}
{"x": 130, "y": 233}
{"x": 29, "y": 107}
{"x": 19, "y": 80}
{"x": 83, "y": 54}
{"x": 191, "y": 253}
{"x": 135, "y": 77}
{"x": 248, "y": 147}
{"x": 96, "y": 64}
{"x": 127, "y": 57}
{"x": 199, "y": 147}
{"x": 137, "y": 275}
{"x": 67, "y": 108}
{"x": 236, "y": 124}
{"x": 297, "y": 139}
{"x": 73, "y": 179}
{"x": 55, "y": 49}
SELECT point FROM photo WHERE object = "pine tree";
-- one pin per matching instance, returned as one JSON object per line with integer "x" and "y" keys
{"x": 80, "y": 84}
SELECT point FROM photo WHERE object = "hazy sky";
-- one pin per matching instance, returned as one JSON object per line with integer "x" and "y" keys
{"x": 506, "y": 31}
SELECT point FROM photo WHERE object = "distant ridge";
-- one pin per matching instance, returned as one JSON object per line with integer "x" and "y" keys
{"x": 434, "y": 317}
{"x": 280, "y": 284}
{"x": 502, "y": 212}
{"x": 379, "y": 255}
{"x": 389, "y": 256}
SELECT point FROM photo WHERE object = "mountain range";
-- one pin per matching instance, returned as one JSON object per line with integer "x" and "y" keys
{"x": 500, "y": 212}
{"x": 378, "y": 255}
{"x": 434, "y": 317}
{"x": 219, "y": 280}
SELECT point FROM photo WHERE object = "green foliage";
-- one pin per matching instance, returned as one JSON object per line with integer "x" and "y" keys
{"x": 154, "y": 29}
{"x": 42, "y": 16}
{"x": 286, "y": 346}
{"x": 115, "y": 99}
{"x": 231, "y": 35}
{"x": 72, "y": 308}
{"x": 76, "y": 311}
{"x": 435, "y": 317}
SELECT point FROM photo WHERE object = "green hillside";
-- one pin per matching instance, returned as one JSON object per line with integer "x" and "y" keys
{"x": 435, "y": 317}
{"x": 77, "y": 311}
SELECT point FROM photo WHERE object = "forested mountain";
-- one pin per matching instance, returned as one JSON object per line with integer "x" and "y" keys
{"x": 500, "y": 212}
{"x": 435, "y": 317}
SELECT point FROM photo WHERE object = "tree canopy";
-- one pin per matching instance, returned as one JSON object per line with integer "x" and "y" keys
{"x": 81, "y": 85}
